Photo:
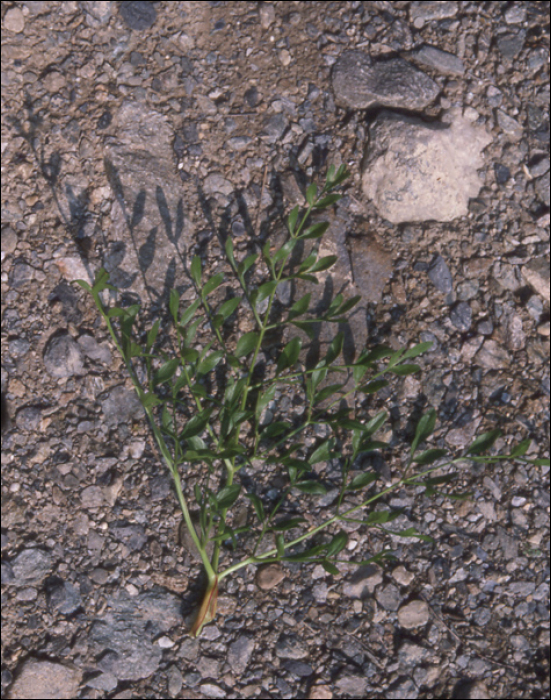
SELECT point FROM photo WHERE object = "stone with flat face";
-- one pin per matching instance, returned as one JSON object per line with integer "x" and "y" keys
{"x": 419, "y": 171}
{"x": 361, "y": 82}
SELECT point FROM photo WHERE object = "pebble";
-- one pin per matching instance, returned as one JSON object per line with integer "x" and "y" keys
{"x": 414, "y": 614}
{"x": 269, "y": 576}
{"x": 14, "y": 20}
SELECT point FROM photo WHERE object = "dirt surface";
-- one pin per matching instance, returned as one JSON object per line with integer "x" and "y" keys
{"x": 136, "y": 135}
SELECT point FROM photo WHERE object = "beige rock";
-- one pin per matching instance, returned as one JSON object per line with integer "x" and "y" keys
{"x": 269, "y": 576}
{"x": 414, "y": 614}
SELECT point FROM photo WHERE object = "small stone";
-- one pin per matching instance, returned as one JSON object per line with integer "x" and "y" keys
{"x": 217, "y": 184}
{"x": 9, "y": 241}
{"x": 371, "y": 267}
{"x": 269, "y": 576}
{"x": 542, "y": 188}
{"x": 63, "y": 357}
{"x": 439, "y": 60}
{"x": 138, "y": 15}
{"x": 14, "y": 20}
{"x": 492, "y": 356}
{"x": 320, "y": 692}
{"x": 440, "y": 275}
{"x": 284, "y": 57}
{"x": 421, "y": 12}
{"x": 509, "y": 125}
{"x": 352, "y": 685}
{"x": 516, "y": 14}
{"x": 536, "y": 274}
{"x": 267, "y": 15}
{"x": 461, "y": 316}
{"x": 414, "y": 614}
{"x": 274, "y": 128}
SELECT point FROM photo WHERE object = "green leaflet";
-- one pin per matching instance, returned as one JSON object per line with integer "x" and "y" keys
{"x": 246, "y": 344}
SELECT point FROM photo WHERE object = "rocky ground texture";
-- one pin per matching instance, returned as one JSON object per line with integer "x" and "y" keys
{"x": 135, "y": 135}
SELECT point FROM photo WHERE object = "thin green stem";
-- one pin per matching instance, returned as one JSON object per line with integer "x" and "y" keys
{"x": 261, "y": 558}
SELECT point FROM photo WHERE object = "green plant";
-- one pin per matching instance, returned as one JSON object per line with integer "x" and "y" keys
{"x": 225, "y": 431}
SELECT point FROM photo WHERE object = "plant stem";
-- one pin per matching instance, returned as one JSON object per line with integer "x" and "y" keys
{"x": 261, "y": 558}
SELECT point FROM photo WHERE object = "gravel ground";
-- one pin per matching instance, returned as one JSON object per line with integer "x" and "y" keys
{"x": 136, "y": 134}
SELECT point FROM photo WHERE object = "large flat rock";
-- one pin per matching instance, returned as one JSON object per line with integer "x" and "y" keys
{"x": 419, "y": 171}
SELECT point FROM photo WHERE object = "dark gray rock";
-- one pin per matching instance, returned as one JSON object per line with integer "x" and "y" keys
{"x": 440, "y": 275}
{"x": 461, "y": 316}
{"x": 138, "y": 15}
{"x": 124, "y": 637}
{"x": 361, "y": 82}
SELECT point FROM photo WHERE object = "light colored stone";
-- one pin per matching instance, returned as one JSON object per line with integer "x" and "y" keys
{"x": 269, "y": 576}
{"x": 414, "y": 614}
{"x": 44, "y": 679}
{"x": 493, "y": 356}
{"x": 267, "y": 15}
{"x": 14, "y": 20}
{"x": 414, "y": 171}
{"x": 320, "y": 692}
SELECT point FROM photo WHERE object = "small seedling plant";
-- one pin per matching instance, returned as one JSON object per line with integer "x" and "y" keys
{"x": 207, "y": 409}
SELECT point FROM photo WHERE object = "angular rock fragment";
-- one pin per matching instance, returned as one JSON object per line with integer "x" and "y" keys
{"x": 361, "y": 82}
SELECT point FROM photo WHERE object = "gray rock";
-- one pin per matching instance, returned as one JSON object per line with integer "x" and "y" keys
{"x": 63, "y": 357}
{"x": 149, "y": 206}
{"x": 64, "y": 597}
{"x": 216, "y": 183}
{"x": 536, "y": 274}
{"x": 290, "y": 647}
{"x": 274, "y": 128}
{"x": 461, "y": 316}
{"x": 439, "y": 60}
{"x": 440, "y": 275}
{"x": 138, "y": 15}
{"x": 414, "y": 171}
{"x": 353, "y": 685}
{"x": 21, "y": 274}
{"x": 361, "y": 83}
{"x": 121, "y": 405}
{"x": 362, "y": 582}
{"x": 511, "y": 44}
{"x": 542, "y": 188}
{"x": 239, "y": 654}
{"x": 421, "y": 12}
{"x": 510, "y": 126}
{"x": 403, "y": 689}
{"x": 123, "y": 637}
{"x": 31, "y": 566}
{"x": 371, "y": 267}
{"x": 389, "y": 597}
{"x": 94, "y": 350}
{"x": 492, "y": 356}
